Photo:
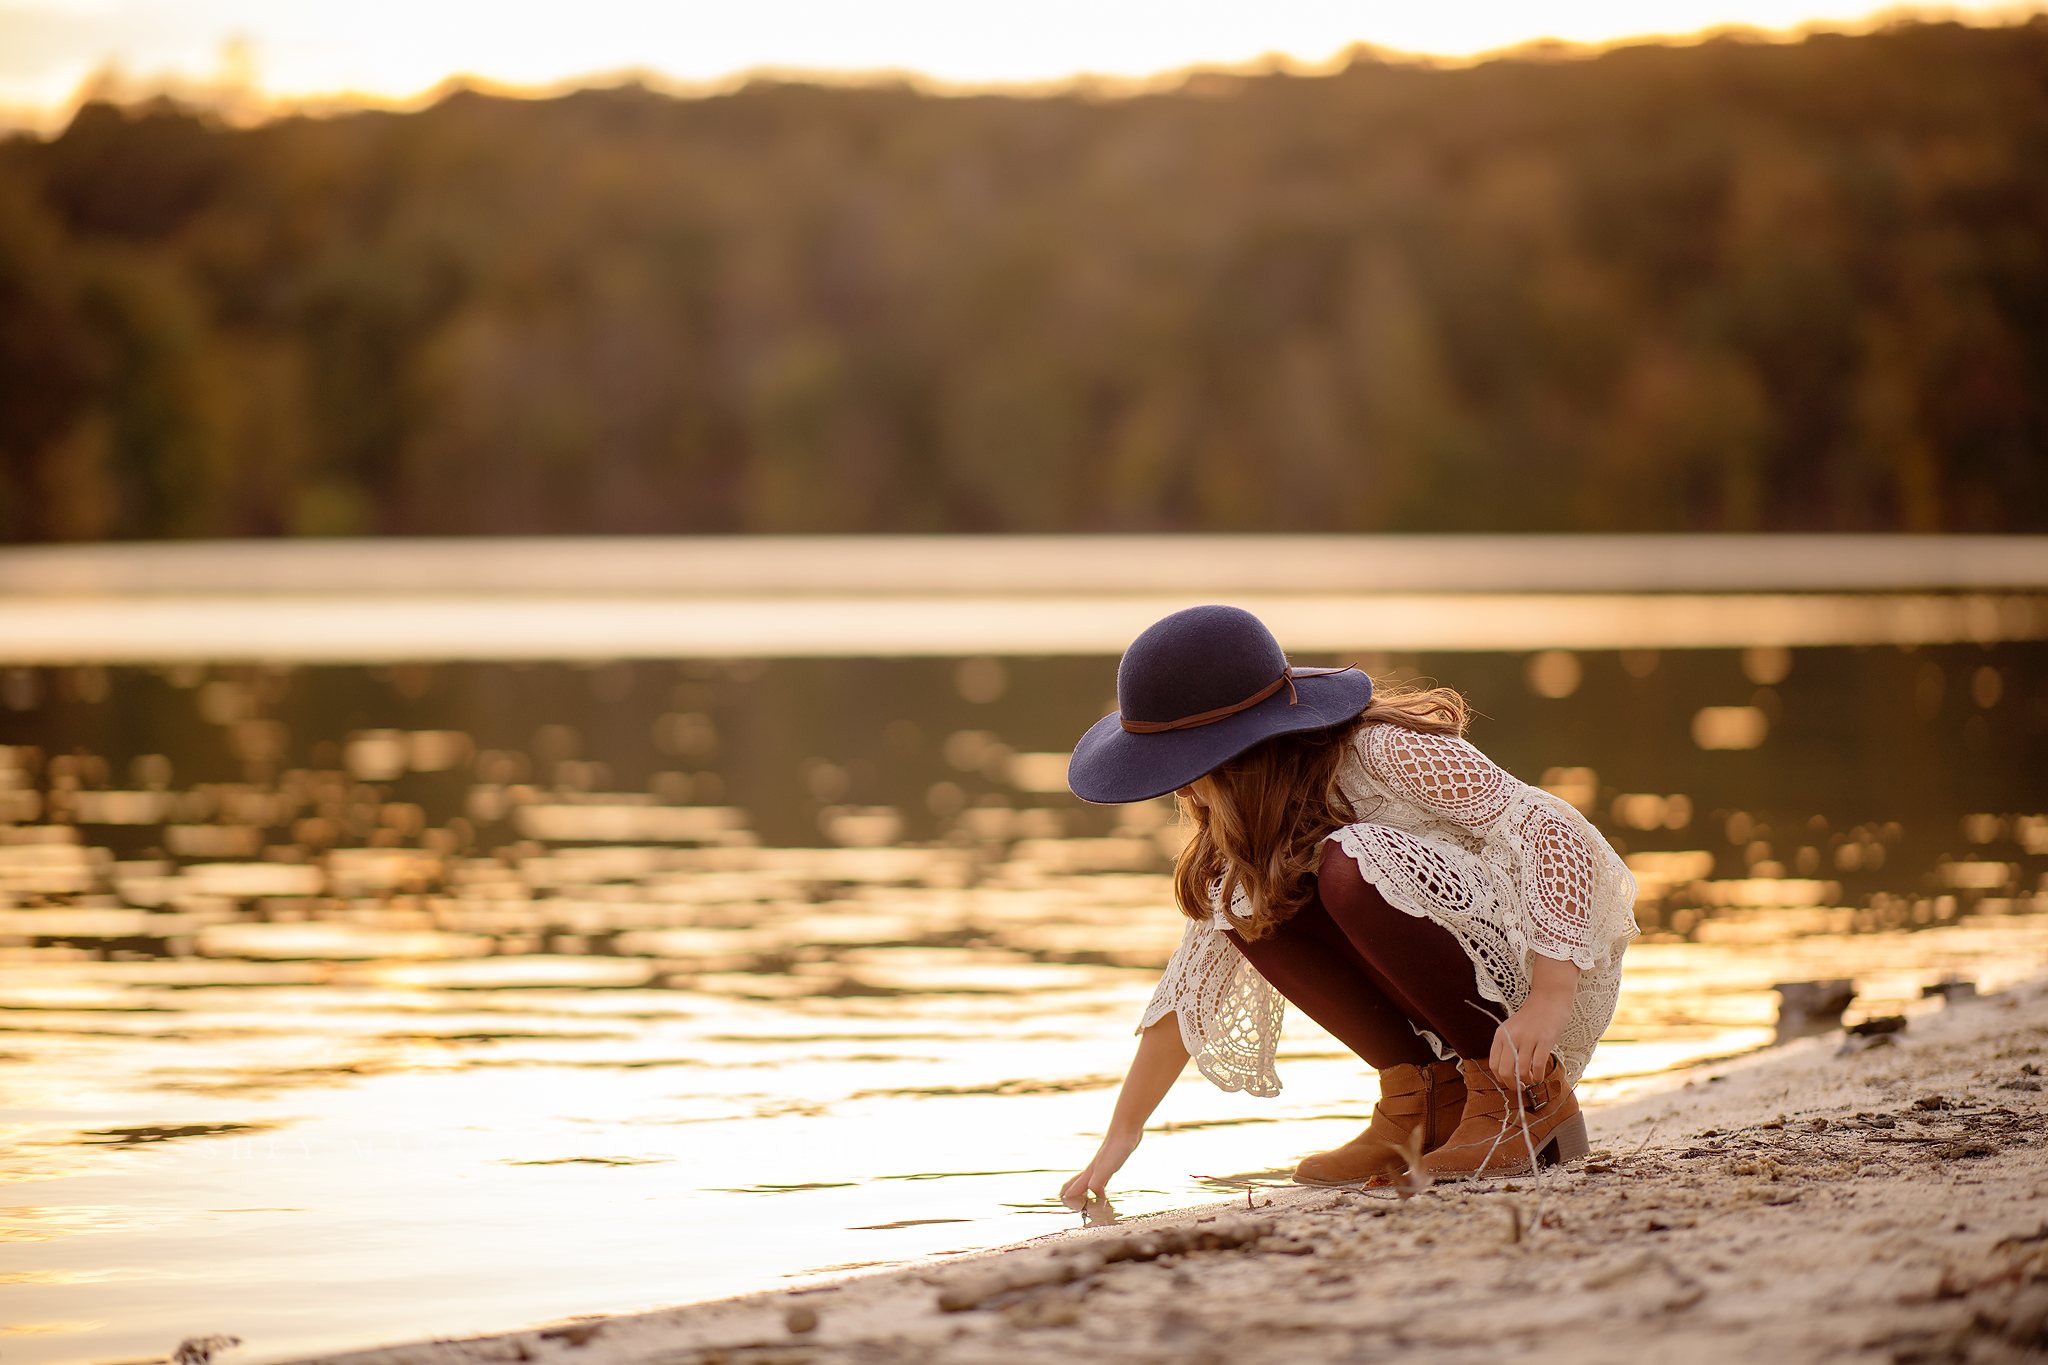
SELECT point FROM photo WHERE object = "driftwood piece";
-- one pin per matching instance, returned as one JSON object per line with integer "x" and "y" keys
{"x": 1066, "y": 1265}
{"x": 1809, "y": 1007}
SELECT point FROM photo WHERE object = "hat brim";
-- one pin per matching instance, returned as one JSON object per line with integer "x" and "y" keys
{"x": 1112, "y": 766}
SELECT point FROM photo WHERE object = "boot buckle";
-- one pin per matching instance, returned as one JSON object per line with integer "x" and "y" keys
{"x": 1532, "y": 1098}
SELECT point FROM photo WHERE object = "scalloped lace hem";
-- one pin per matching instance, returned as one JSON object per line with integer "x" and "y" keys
{"x": 1231, "y": 1081}
{"x": 1229, "y": 1016}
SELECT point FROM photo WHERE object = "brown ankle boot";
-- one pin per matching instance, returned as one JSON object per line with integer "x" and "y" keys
{"x": 1504, "y": 1124}
{"x": 1413, "y": 1099}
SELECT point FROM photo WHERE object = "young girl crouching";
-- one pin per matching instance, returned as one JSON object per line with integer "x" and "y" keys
{"x": 1458, "y": 929}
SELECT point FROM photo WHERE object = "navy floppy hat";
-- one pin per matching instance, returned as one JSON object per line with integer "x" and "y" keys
{"x": 1193, "y": 692}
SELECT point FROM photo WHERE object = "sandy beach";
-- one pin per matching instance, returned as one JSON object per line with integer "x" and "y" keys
{"x": 1806, "y": 1203}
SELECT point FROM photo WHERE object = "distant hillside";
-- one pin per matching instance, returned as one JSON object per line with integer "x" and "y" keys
{"x": 1726, "y": 287}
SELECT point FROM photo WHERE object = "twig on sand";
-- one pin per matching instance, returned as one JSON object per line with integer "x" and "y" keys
{"x": 1080, "y": 1260}
{"x": 1514, "y": 1099}
{"x": 1687, "y": 1291}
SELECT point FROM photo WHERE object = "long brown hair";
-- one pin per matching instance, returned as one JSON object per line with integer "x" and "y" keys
{"x": 1258, "y": 822}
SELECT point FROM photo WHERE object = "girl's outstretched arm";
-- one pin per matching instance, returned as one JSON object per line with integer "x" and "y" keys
{"x": 1160, "y": 1060}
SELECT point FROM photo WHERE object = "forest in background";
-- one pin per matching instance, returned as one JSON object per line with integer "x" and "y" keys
{"x": 1725, "y": 287}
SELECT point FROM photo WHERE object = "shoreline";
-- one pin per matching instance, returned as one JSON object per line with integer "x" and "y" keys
{"x": 1793, "y": 1204}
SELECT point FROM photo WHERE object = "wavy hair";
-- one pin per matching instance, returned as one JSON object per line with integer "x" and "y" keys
{"x": 1258, "y": 821}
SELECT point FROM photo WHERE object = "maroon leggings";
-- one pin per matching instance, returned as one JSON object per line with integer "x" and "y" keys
{"x": 1364, "y": 970}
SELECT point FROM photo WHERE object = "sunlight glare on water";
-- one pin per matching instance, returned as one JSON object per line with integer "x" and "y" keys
{"x": 351, "y": 1006}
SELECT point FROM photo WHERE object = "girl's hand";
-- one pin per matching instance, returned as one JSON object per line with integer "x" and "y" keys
{"x": 1161, "y": 1058}
{"x": 1109, "y": 1159}
{"x": 1523, "y": 1044}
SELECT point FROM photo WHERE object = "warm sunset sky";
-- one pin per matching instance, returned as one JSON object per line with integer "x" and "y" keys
{"x": 395, "y": 49}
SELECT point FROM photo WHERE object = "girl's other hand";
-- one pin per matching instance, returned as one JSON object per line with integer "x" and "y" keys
{"x": 1522, "y": 1046}
{"x": 1109, "y": 1159}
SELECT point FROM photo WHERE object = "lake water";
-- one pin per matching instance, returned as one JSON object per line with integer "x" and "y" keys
{"x": 346, "y": 1006}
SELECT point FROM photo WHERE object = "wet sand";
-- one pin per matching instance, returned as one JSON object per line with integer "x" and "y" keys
{"x": 1792, "y": 1205}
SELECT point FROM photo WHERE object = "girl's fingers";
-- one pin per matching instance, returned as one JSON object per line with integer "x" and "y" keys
{"x": 1507, "y": 1059}
{"x": 1074, "y": 1194}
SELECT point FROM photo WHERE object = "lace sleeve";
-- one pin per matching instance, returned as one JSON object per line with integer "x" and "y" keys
{"x": 1229, "y": 1016}
{"x": 1551, "y": 861}
{"x": 1558, "y": 889}
{"x": 1444, "y": 775}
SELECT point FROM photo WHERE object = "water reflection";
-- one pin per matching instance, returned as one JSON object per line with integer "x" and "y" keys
{"x": 443, "y": 1002}
{"x": 217, "y": 1144}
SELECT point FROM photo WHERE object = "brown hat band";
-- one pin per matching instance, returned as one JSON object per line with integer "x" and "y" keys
{"x": 1153, "y": 727}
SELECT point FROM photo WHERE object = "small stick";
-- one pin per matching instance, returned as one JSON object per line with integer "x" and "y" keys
{"x": 1521, "y": 1114}
{"x": 1528, "y": 1144}
{"x": 1503, "y": 1132}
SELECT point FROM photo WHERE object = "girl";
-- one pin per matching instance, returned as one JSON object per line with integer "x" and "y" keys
{"x": 1459, "y": 930}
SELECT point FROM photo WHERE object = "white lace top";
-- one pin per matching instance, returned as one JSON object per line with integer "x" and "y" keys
{"x": 1446, "y": 835}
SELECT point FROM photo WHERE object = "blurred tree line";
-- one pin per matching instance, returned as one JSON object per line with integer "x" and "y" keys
{"x": 1736, "y": 286}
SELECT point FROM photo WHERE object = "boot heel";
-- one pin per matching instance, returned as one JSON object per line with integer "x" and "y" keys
{"x": 1568, "y": 1143}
